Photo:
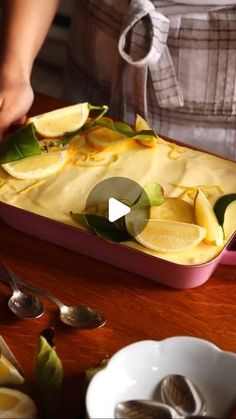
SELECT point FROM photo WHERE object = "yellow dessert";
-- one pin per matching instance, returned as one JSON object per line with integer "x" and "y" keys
{"x": 15, "y": 404}
{"x": 181, "y": 172}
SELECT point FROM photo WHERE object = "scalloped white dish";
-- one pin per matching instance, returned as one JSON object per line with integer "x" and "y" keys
{"x": 136, "y": 371}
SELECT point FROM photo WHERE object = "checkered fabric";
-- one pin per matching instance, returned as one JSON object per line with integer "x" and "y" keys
{"x": 172, "y": 62}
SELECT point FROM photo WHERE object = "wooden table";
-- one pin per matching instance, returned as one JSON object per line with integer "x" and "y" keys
{"x": 135, "y": 308}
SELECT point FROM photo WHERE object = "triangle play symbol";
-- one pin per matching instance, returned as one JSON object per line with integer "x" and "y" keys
{"x": 116, "y": 209}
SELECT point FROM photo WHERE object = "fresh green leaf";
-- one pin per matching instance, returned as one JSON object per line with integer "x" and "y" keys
{"x": 48, "y": 374}
{"x": 125, "y": 129}
{"x": 92, "y": 371}
{"x": 221, "y": 205}
{"x": 134, "y": 216}
{"x": 152, "y": 195}
{"x": 81, "y": 220}
{"x": 120, "y": 127}
{"x": 23, "y": 143}
{"x": 102, "y": 227}
{"x": 145, "y": 135}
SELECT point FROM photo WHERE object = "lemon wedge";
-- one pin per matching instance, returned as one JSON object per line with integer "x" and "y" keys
{"x": 140, "y": 125}
{"x": 15, "y": 404}
{"x": 173, "y": 209}
{"x": 8, "y": 373}
{"x": 36, "y": 167}
{"x": 56, "y": 123}
{"x": 169, "y": 236}
{"x": 205, "y": 217}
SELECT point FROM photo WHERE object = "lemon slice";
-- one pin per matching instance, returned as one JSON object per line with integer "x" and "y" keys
{"x": 169, "y": 236}
{"x": 15, "y": 404}
{"x": 8, "y": 373}
{"x": 56, "y": 123}
{"x": 103, "y": 139}
{"x": 173, "y": 209}
{"x": 36, "y": 167}
{"x": 140, "y": 125}
{"x": 205, "y": 217}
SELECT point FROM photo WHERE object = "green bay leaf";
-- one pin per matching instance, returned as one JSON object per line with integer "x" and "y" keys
{"x": 102, "y": 227}
{"x": 125, "y": 129}
{"x": 21, "y": 144}
{"x": 221, "y": 205}
{"x": 152, "y": 195}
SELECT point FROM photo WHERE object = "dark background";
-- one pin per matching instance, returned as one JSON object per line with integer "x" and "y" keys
{"x": 47, "y": 75}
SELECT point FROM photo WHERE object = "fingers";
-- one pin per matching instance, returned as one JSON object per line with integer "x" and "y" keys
{"x": 10, "y": 112}
{"x": 8, "y": 115}
{"x": 21, "y": 121}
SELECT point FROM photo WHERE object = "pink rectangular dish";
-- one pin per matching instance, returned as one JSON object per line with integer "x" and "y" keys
{"x": 159, "y": 270}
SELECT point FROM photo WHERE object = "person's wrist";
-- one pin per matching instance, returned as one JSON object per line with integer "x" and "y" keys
{"x": 10, "y": 76}
{"x": 14, "y": 72}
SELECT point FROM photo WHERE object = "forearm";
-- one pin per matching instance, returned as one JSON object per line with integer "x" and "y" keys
{"x": 25, "y": 25}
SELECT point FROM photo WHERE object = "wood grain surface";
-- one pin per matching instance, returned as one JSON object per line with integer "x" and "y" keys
{"x": 135, "y": 308}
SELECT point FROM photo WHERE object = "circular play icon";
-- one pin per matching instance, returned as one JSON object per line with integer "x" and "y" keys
{"x": 123, "y": 202}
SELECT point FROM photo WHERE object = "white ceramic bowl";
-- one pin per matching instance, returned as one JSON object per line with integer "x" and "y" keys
{"x": 136, "y": 371}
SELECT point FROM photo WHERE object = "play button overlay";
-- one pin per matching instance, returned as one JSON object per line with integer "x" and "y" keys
{"x": 114, "y": 199}
{"x": 116, "y": 209}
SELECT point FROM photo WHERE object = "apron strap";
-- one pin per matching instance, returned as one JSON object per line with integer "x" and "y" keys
{"x": 142, "y": 45}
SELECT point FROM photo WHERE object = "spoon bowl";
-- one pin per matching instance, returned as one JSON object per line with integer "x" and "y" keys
{"x": 82, "y": 317}
{"x": 25, "y": 305}
{"x": 181, "y": 393}
{"x": 21, "y": 304}
{"x": 139, "y": 409}
{"x": 149, "y": 409}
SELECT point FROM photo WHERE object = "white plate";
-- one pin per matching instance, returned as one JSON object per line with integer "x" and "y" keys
{"x": 136, "y": 371}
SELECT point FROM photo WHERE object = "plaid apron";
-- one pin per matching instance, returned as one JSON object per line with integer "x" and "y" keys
{"x": 171, "y": 62}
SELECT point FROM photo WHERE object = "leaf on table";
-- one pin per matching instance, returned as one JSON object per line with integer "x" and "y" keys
{"x": 92, "y": 371}
{"x": 48, "y": 373}
{"x": 21, "y": 144}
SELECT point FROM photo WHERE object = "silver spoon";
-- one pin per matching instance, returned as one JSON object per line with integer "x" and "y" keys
{"x": 179, "y": 392}
{"x": 77, "y": 316}
{"x": 21, "y": 304}
{"x": 148, "y": 409}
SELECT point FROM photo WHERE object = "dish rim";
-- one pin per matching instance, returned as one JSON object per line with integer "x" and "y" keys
{"x": 88, "y": 234}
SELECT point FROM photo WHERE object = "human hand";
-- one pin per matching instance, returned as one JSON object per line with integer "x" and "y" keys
{"x": 16, "y": 97}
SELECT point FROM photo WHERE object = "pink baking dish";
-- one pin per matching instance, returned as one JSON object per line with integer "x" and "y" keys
{"x": 167, "y": 273}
